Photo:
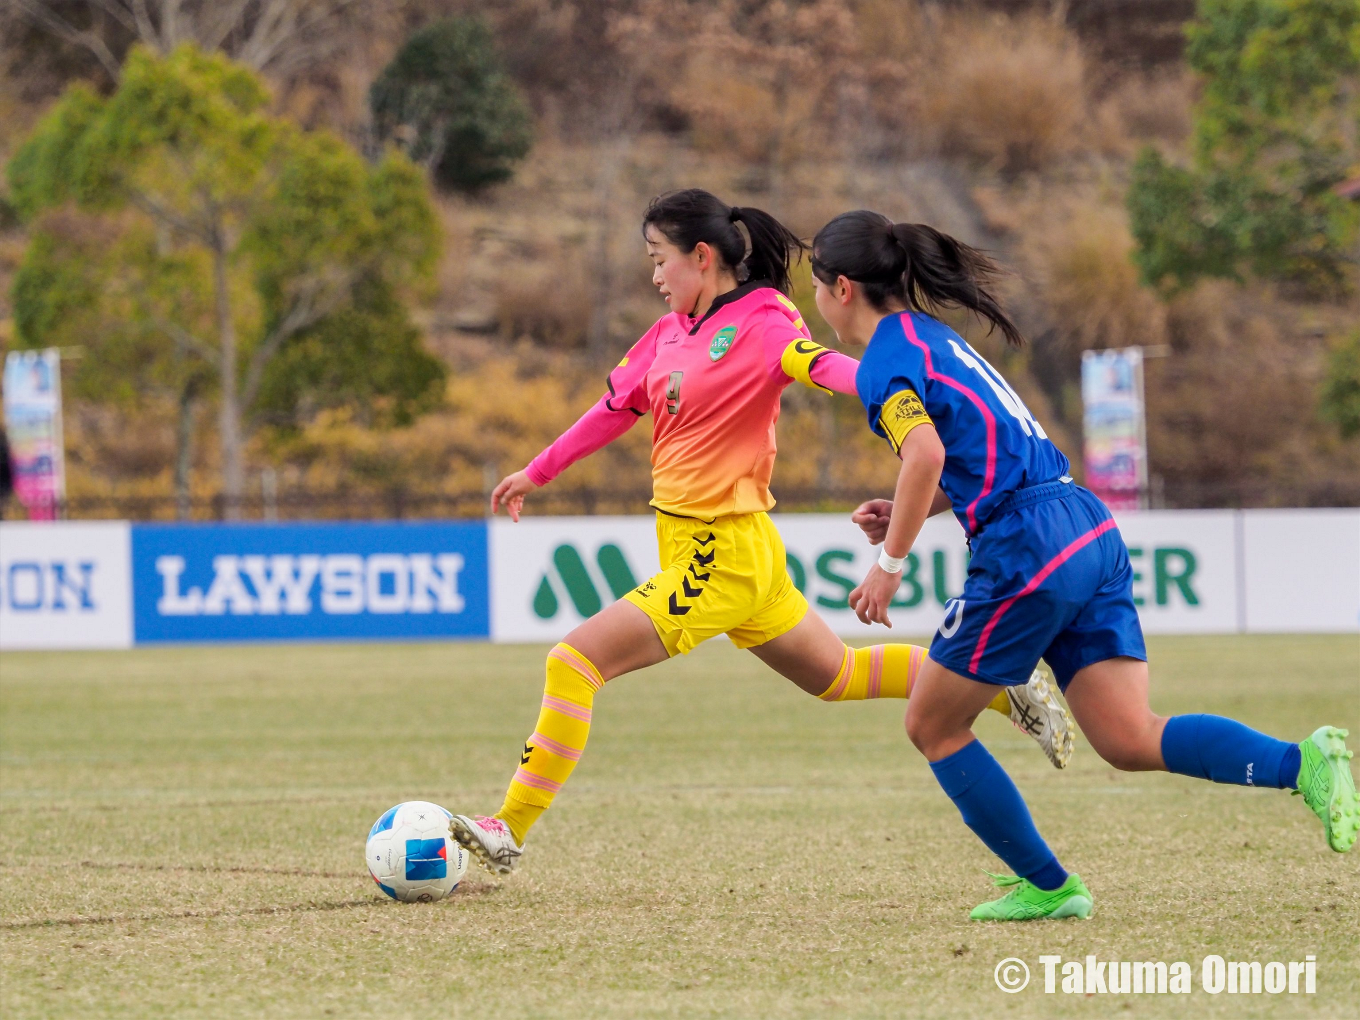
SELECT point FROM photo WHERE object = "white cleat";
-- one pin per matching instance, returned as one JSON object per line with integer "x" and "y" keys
{"x": 1036, "y": 710}
{"x": 489, "y": 840}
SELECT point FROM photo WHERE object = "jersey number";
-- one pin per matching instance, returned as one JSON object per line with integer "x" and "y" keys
{"x": 673, "y": 393}
{"x": 1008, "y": 397}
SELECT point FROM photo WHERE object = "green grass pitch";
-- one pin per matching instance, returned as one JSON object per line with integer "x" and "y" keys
{"x": 182, "y": 835}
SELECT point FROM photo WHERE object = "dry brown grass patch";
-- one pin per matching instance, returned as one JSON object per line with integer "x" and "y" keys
{"x": 1010, "y": 91}
{"x": 1091, "y": 287}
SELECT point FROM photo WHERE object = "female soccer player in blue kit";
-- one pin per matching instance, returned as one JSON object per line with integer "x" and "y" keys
{"x": 1049, "y": 575}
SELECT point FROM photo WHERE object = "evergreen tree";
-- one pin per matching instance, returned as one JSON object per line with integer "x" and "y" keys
{"x": 446, "y": 98}
{"x": 1275, "y": 130}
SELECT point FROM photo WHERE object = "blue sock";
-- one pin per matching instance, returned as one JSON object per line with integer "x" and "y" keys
{"x": 1289, "y": 768}
{"x": 993, "y": 808}
{"x": 1211, "y": 747}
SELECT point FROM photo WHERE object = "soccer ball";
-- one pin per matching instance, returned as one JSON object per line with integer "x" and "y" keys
{"x": 411, "y": 856}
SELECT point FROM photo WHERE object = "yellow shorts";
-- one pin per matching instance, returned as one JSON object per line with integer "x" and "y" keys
{"x": 728, "y": 577}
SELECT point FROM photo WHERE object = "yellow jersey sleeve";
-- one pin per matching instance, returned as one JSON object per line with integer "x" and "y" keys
{"x": 798, "y": 359}
{"x": 901, "y": 413}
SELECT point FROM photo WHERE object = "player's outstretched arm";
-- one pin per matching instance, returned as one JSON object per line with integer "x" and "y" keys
{"x": 595, "y": 429}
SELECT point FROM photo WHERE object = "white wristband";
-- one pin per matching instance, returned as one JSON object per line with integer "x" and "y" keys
{"x": 890, "y": 564}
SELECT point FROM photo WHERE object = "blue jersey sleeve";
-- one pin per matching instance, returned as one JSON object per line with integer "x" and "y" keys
{"x": 892, "y": 376}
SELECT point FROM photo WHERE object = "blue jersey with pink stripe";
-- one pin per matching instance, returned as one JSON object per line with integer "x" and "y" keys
{"x": 993, "y": 445}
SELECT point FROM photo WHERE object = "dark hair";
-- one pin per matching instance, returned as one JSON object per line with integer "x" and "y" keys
{"x": 687, "y": 217}
{"x": 911, "y": 262}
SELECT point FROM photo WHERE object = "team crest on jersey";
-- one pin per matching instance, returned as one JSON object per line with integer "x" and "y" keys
{"x": 722, "y": 342}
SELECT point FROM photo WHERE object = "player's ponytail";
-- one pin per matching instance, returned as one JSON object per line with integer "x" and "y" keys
{"x": 687, "y": 217}
{"x": 910, "y": 263}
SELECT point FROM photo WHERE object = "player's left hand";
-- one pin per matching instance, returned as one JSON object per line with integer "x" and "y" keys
{"x": 871, "y": 599}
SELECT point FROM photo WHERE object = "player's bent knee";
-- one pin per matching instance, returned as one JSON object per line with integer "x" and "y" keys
{"x": 809, "y": 681}
{"x": 924, "y": 731}
{"x": 1126, "y": 759}
{"x": 1134, "y": 750}
{"x": 817, "y": 685}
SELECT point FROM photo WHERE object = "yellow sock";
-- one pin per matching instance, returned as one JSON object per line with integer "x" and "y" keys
{"x": 886, "y": 671}
{"x": 557, "y": 741}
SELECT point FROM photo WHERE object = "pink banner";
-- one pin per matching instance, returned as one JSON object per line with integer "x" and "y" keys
{"x": 32, "y": 390}
{"x": 1115, "y": 446}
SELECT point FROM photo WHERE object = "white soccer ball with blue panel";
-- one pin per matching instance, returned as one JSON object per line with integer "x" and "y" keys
{"x": 411, "y": 856}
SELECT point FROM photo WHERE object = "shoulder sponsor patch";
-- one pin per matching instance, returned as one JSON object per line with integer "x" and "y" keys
{"x": 901, "y": 413}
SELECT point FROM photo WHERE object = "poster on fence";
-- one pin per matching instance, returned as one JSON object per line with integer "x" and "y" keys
{"x": 1115, "y": 447}
{"x": 32, "y": 391}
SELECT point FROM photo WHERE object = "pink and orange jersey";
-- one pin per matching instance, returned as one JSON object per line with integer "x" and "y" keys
{"x": 712, "y": 386}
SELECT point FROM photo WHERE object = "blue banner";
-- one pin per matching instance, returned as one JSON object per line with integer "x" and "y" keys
{"x": 253, "y": 582}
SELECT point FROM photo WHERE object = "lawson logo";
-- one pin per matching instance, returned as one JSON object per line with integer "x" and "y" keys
{"x": 343, "y": 581}
{"x": 270, "y": 585}
{"x": 53, "y": 585}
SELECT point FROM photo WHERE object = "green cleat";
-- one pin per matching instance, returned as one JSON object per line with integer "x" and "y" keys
{"x": 1326, "y": 785}
{"x": 1027, "y": 902}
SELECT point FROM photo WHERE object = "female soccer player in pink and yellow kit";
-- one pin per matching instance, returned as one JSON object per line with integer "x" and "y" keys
{"x": 711, "y": 374}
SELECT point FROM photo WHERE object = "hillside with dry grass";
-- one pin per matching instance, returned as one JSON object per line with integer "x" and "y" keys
{"x": 1010, "y": 125}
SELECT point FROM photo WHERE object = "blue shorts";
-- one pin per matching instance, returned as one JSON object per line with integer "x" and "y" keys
{"x": 1049, "y": 578}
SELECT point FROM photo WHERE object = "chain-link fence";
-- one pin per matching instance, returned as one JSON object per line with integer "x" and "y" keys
{"x": 403, "y": 503}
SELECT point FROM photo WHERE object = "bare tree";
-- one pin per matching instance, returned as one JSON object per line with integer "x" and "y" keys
{"x": 277, "y": 36}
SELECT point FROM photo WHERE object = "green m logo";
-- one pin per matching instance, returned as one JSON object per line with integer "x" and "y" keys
{"x": 575, "y": 578}
{"x": 722, "y": 342}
